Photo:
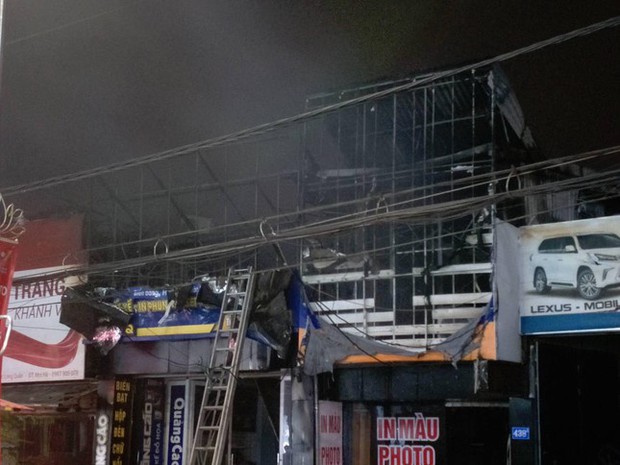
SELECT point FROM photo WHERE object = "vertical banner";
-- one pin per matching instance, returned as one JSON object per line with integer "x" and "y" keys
{"x": 149, "y": 430}
{"x": 102, "y": 433}
{"x": 121, "y": 421}
{"x": 330, "y": 433}
{"x": 176, "y": 423}
{"x": 415, "y": 439}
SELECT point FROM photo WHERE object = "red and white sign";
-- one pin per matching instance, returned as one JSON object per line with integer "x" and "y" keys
{"x": 330, "y": 433}
{"x": 40, "y": 347}
{"x": 407, "y": 440}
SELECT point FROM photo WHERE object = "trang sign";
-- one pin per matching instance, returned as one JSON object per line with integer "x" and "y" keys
{"x": 570, "y": 276}
{"x": 407, "y": 440}
{"x": 40, "y": 347}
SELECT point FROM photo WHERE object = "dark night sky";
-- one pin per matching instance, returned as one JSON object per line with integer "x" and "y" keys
{"x": 88, "y": 82}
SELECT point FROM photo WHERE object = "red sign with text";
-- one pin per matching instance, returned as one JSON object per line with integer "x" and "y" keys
{"x": 330, "y": 433}
{"x": 414, "y": 439}
{"x": 40, "y": 348}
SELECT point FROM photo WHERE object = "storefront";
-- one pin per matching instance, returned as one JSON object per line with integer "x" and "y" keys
{"x": 428, "y": 413}
{"x": 568, "y": 305}
{"x": 46, "y": 365}
{"x": 157, "y": 393}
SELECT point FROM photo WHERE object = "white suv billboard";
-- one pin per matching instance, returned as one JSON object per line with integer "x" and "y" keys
{"x": 570, "y": 276}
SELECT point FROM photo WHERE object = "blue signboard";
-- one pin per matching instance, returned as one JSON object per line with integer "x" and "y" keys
{"x": 521, "y": 433}
{"x": 176, "y": 424}
{"x": 155, "y": 314}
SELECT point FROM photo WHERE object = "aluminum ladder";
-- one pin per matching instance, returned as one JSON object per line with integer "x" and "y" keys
{"x": 214, "y": 419}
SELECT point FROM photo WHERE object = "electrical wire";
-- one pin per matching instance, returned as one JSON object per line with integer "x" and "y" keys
{"x": 401, "y": 245}
{"x": 204, "y": 256}
{"x": 338, "y": 222}
{"x": 72, "y": 23}
{"x": 329, "y": 315}
{"x": 352, "y": 342}
{"x": 285, "y": 122}
{"x": 363, "y": 217}
{"x": 436, "y": 212}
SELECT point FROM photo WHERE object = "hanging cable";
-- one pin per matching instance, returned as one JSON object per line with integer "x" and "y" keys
{"x": 409, "y": 213}
{"x": 285, "y": 122}
{"x": 411, "y": 195}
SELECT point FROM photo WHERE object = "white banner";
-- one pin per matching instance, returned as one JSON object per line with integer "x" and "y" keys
{"x": 40, "y": 347}
{"x": 570, "y": 276}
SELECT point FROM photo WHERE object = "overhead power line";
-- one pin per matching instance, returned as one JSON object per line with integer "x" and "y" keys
{"x": 404, "y": 206}
{"x": 72, "y": 23}
{"x": 285, "y": 122}
{"x": 419, "y": 214}
{"x": 412, "y": 195}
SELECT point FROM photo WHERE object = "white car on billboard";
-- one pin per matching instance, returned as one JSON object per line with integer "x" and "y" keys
{"x": 589, "y": 263}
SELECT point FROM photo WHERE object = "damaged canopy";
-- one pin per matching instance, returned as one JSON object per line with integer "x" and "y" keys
{"x": 187, "y": 311}
{"x": 328, "y": 345}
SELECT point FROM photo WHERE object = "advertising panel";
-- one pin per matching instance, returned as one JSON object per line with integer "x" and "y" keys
{"x": 157, "y": 314}
{"x": 570, "y": 276}
{"x": 177, "y": 413}
{"x": 40, "y": 347}
{"x": 121, "y": 421}
{"x": 102, "y": 434}
{"x": 415, "y": 439}
{"x": 330, "y": 433}
{"x": 150, "y": 428}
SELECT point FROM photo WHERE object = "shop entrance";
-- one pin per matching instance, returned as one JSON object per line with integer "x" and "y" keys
{"x": 579, "y": 405}
{"x": 255, "y": 425}
{"x": 477, "y": 435}
{"x": 255, "y": 418}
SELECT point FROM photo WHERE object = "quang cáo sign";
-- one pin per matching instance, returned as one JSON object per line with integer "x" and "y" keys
{"x": 151, "y": 422}
{"x": 176, "y": 424}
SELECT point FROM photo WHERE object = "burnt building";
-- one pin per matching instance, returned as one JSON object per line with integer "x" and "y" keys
{"x": 396, "y": 208}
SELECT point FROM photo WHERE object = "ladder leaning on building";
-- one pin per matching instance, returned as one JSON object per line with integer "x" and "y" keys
{"x": 214, "y": 419}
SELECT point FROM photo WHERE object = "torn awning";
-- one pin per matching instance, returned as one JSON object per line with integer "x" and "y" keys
{"x": 328, "y": 346}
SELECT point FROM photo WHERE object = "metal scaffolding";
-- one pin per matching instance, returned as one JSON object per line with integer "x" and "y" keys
{"x": 363, "y": 198}
{"x": 410, "y": 281}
